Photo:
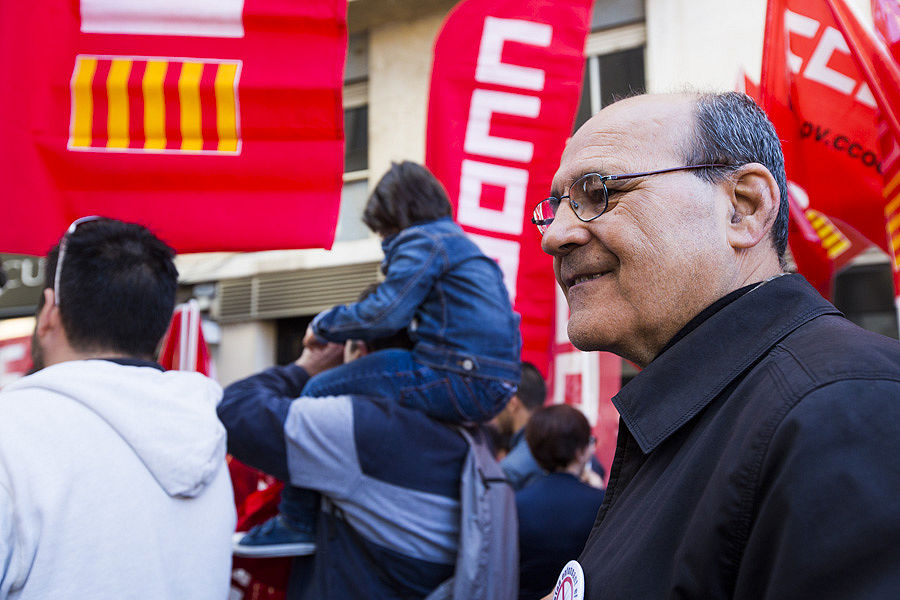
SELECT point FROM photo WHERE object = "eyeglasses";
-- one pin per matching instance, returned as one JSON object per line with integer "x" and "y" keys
{"x": 63, "y": 243}
{"x": 589, "y": 197}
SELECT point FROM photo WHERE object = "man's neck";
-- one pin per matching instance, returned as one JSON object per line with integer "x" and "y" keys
{"x": 62, "y": 355}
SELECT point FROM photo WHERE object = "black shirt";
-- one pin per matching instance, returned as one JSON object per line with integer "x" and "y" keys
{"x": 756, "y": 459}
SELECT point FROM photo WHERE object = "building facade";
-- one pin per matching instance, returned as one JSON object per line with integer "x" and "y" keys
{"x": 256, "y": 306}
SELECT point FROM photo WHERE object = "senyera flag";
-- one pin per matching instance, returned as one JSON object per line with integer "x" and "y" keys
{"x": 504, "y": 90}
{"x": 217, "y": 123}
{"x": 826, "y": 116}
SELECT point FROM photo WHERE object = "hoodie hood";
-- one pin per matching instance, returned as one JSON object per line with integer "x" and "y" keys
{"x": 167, "y": 418}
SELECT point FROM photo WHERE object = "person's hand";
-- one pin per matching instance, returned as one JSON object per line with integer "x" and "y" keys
{"x": 320, "y": 357}
{"x": 311, "y": 340}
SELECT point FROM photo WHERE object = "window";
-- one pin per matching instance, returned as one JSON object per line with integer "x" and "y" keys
{"x": 356, "y": 141}
{"x": 865, "y": 294}
{"x": 615, "y": 56}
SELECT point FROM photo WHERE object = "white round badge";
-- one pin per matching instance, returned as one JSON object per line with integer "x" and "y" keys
{"x": 570, "y": 585}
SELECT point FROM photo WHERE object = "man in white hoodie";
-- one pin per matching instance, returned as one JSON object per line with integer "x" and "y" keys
{"x": 113, "y": 481}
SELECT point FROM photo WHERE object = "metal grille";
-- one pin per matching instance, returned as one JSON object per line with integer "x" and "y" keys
{"x": 291, "y": 294}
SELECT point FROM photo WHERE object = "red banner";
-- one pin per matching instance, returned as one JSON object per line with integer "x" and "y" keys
{"x": 216, "y": 123}
{"x": 825, "y": 114}
{"x": 504, "y": 90}
{"x": 15, "y": 358}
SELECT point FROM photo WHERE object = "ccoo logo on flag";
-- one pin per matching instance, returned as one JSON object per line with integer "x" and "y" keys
{"x": 154, "y": 105}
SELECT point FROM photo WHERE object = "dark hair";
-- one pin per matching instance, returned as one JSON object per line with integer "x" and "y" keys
{"x": 555, "y": 434}
{"x": 532, "y": 390}
{"x": 407, "y": 194}
{"x": 117, "y": 288}
{"x": 731, "y": 129}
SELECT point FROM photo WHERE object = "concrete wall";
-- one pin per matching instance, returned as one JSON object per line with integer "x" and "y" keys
{"x": 245, "y": 349}
{"x": 400, "y": 56}
{"x": 703, "y": 43}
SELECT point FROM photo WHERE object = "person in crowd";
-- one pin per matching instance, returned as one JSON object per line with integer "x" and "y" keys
{"x": 519, "y": 465}
{"x": 113, "y": 481}
{"x": 389, "y": 476}
{"x": 668, "y": 226}
{"x": 555, "y": 512}
{"x": 464, "y": 363}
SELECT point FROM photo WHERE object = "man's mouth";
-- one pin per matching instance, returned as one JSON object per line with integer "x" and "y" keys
{"x": 583, "y": 278}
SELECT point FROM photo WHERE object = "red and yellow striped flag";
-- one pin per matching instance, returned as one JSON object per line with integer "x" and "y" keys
{"x": 832, "y": 239}
{"x": 892, "y": 214}
{"x": 149, "y": 104}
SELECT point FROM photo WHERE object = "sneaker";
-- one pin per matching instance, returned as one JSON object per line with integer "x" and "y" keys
{"x": 276, "y": 537}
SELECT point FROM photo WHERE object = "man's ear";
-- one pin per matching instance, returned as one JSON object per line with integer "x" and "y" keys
{"x": 48, "y": 316}
{"x": 755, "y": 200}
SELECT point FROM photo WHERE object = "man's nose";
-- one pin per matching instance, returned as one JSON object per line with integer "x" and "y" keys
{"x": 565, "y": 233}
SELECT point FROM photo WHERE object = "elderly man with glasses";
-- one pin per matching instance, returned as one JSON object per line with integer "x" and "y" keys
{"x": 757, "y": 450}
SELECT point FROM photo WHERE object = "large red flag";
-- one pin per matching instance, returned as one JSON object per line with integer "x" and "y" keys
{"x": 825, "y": 114}
{"x": 882, "y": 74}
{"x": 504, "y": 90}
{"x": 217, "y": 123}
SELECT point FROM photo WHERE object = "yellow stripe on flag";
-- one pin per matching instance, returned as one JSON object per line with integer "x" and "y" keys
{"x": 895, "y": 243}
{"x": 893, "y": 224}
{"x": 817, "y": 221}
{"x": 831, "y": 240}
{"x": 189, "y": 98}
{"x": 889, "y": 188}
{"x": 226, "y": 107}
{"x": 83, "y": 101}
{"x": 892, "y": 206}
{"x": 838, "y": 249}
{"x": 154, "y": 105}
{"x": 117, "y": 94}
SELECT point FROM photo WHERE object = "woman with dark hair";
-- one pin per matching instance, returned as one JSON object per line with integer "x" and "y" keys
{"x": 464, "y": 363}
{"x": 557, "y": 511}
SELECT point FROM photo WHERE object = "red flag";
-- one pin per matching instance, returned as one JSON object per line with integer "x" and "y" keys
{"x": 505, "y": 87}
{"x": 504, "y": 90}
{"x": 886, "y": 14}
{"x": 887, "y": 23}
{"x": 883, "y": 77}
{"x": 825, "y": 114}
{"x": 217, "y": 123}
{"x": 183, "y": 347}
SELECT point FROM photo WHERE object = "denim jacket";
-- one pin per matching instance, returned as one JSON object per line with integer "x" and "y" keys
{"x": 450, "y": 296}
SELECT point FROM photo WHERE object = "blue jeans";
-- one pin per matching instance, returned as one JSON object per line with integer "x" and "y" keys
{"x": 393, "y": 373}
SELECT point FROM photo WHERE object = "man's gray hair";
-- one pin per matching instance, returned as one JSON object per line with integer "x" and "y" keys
{"x": 732, "y": 130}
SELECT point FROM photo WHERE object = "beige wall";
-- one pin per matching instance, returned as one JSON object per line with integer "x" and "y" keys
{"x": 702, "y": 43}
{"x": 245, "y": 349}
{"x": 400, "y": 56}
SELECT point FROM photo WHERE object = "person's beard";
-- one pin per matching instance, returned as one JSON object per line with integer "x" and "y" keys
{"x": 37, "y": 352}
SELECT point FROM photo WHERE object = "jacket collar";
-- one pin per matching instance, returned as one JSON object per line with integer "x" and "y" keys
{"x": 684, "y": 379}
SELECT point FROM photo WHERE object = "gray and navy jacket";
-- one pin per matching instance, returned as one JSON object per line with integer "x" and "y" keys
{"x": 389, "y": 477}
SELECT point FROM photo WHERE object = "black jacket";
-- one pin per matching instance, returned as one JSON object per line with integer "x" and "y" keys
{"x": 758, "y": 457}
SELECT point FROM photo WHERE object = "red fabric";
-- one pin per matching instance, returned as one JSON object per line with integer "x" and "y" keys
{"x": 881, "y": 71}
{"x": 826, "y": 116}
{"x": 15, "y": 359}
{"x": 538, "y": 76}
{"x": 273, "y": 182}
